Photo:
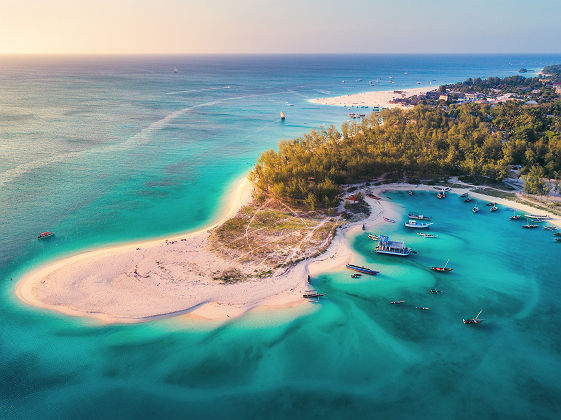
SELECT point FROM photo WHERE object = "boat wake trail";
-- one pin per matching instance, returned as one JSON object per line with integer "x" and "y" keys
{"x": 138, "y": 139}
{"x": 180, "y": 92}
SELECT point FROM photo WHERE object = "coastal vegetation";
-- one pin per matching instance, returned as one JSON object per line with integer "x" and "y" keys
{"x": 270, "y": 236}
{"x": 486, "y": 141}
{"x": 553, "y": 71}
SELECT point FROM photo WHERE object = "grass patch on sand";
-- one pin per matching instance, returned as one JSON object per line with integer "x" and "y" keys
{"x": 272, "y": 235}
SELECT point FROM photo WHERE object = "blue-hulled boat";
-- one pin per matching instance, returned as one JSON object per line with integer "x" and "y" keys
{"x": 363, "y": 270}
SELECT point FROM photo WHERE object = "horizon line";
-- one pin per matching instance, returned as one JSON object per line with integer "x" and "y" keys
{"x": 59, "y": 54}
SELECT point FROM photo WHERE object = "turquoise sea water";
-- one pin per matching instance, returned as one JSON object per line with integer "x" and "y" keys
{"x": 105, "y": 150}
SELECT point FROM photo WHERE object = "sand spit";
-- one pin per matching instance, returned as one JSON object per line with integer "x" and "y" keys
{"x": 171, "y": 277}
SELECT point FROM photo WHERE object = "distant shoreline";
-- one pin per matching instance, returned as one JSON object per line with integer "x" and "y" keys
{"x": 381, "y": 98}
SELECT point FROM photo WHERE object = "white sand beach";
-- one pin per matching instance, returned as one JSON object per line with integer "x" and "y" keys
{"x": 373, "y": 98}
{"x": 173, "y": 276}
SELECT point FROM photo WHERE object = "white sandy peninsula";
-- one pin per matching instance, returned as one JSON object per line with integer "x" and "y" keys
{"x": 382, "y": 98}
{"x": 174, "y": 276}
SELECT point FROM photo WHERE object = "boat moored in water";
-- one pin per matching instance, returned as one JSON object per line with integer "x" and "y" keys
{"x": 385, "y": 246}
{"x": 410, "y": 192}
{"x": 363, "y": 270}
{"x": 464, "y": 195}
{"x": 417, "y": 216}
{"x": 45, "y": 235}
{"x": 444, "y": 269}
{"x": 415, "y": 224}
{"x": 427, "y": 235}
{"x": 468, "y": 200}
{"x": 538, "y": 216}
{"x": 423, "y": 308}
{"x": 373, "y": 236}
{"x": 528, "y": 225}
{"x": 434, "y": 291}
{"x": 515, "y": 216}
{"x": 494, "y": 208}
{"x": 311, "y": 295}
{"x": 397, "y": 302}
{"x": 475, "y": 320}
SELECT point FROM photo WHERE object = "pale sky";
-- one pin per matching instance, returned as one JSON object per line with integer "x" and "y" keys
{"x": 274, "y": 26}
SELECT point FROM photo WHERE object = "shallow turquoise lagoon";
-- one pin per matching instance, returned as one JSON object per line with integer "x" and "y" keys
{"x": 351, "y": 354}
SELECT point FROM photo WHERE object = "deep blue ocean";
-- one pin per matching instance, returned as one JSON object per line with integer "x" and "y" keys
{"x": 107, "y": 150}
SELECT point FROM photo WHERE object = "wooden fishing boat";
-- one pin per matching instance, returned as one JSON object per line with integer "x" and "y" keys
{"x": 397, "y": 302}
{"x": 464, "y": 195}
{"x": 434, "y": 291}
{"x": 389, "y": 220}
{"x": 311, "y": 295}
{"x": 557, "y": 234}
{"x": 493, "y": 209}
{"x": 468, "y": 200}
{"x": 490, "y": 204}
{"x": 528, "y": 225}
{"x": 423, "y": 308}
{"x": 410, "y": 192}
{"x": 355, "y": 275}
{"x": 427, "y": 235}
{"x": 550, "y": 228}
{"x": 418, "y": 216}
{"x": 515, "y": 216}
{"x": 362, "y": 270}
{"x": 475, "y": 320}
{"x": 373, "y": 236}
{"x": 444, "y": 269}
{"x": 45, "y": 235}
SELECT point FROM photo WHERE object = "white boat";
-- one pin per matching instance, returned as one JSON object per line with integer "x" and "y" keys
{"x": 427, "y": 235}
{"x": 418, "y": 216}
{"x": 385, "y": 246}
{"x": 538, "y": 217}
{"x": 415, "y": 224}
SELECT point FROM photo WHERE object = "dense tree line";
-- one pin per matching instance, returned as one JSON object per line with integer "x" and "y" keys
{"x": 506, "y": 84}
{"x": 554, "y": 70}
{"x": 421, "y": 143}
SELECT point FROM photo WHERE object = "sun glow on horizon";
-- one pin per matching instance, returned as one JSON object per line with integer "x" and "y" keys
{"x": 272, "y": 26}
